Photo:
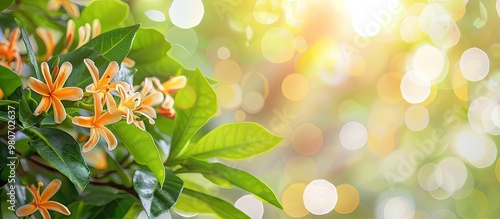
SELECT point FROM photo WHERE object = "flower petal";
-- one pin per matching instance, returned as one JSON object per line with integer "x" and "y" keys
{"x": 71, "y": 8}
{"x": 53, "y": 5}
{"x": 175, "y": 83}
{"x": 26, "y": 210}
{"x": 153, "y": 99}
{"x": 59, "y": 110}
{"x": 69, "y": 93}
{"x": 56, "y": 206}
{"x": 83, "y": 121}
{"x": 33, "y": 190}
{"x": 109, "y": 118}
{"x": 50, "y": 190}
{"x": 140, "y": 124}
{"x": 148, "y": 112}
{"x": 108, "y": 75}
{"x": 96, "y": 28}
{"x": 44, "y": 212}
{"x": 46, "y": 75}
{"x": 94, "y": 138}
{"x": 38, "y": 86}
{"x": 63, "y": 75}
{"x": 108, "y": 136}
{"x": 94, "y": 72}
{"x": 43, "y": 106}
{"x": 97, "y": 105}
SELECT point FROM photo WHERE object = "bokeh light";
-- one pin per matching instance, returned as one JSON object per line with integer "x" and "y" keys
{"x": 251, "y": 206}
{"x": 348, "y": 199}
{"x": 396, "y": 103}
{"x": 353, "y": 135}
{"x": 186, "y": 13}
{"x": 320, "y": 197}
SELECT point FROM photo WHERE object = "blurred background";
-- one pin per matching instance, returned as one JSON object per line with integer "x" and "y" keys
{"x": 387, "y": 108}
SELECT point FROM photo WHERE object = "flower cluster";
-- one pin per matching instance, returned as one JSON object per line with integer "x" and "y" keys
{"x": 9, "y": 53}
{"x": 135, "y": 103}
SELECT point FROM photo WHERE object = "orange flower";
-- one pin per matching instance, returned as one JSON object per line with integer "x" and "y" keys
{"x": 70, "y": 7}
{"x": 87, "y": 32}
{"x": 70, "y": 36}
{"x": 47, "y": 37}
{"x": 129, "y": 102}
{"x": 97, "y": 124}
{"x": 1, "y": 93}
{"x": 104, "y": 85}
{"x": 53, "y": 92}
{"x": 150, "y": 97}
{"x": 171, "y": 85}
{"x": 9, "y": 52}
{"x": 41, "y": 202}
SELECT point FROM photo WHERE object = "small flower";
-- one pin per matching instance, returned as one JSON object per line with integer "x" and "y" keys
{"x": 128, "y": 62}
{"x": 53, "y": 92}
{"x": 68, "y": 5}
{"x": 96, "y": 158}
{"x": 167, "y": 87}
{"x": 104, "y": 85}
{"x": 150, "y": 97}
{"x": 1, "y": 93}
{"x": 97, "y": 123}
{"x": 48, "y": 39}
{"x": 87, "y": 32}
{"x": 70, "y": 36}
{"x": 129, "y": 102}
{"x": 9, "y": 52}
{"x": 41, "y": 202}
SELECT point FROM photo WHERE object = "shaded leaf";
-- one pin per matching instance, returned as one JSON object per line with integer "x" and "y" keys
{"x": 60, "y": 150}
{"x": 10, "y": 80}
{"x": 100, "y": 9}
{"x": 236, "y": 177}
{"x": 29, "y": 49}
{"x": 110, "y": 46}
{"x": 5, "y": 4}
{"x": 155, "y": 200}
{"x": 27, "y": 106}
{"x": 149, "y": 51}
{"x": 142, "y": 146}
{"x": 195, "y": 105}
{"x": 234, "y": 141}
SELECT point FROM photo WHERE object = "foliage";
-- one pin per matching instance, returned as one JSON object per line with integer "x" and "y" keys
{"x": 113, "y": 115}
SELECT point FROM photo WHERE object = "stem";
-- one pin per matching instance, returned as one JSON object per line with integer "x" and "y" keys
{"x": 80, "y": 104}
{"x": 114, "y": 185}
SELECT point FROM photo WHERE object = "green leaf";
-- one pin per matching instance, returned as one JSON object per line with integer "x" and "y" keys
{"x": 27, "y": 106}
{"x": 219, "y": 206}
{"x": 236, "y": 177}
{"x": 8, "y": 102}
{"x": 192, "y": 205}
{"x": 10, "y": 80}
{"x": 116, "y": 209}
{"x": 195, "y": 104}
{"x": 62, "y": 151}
{"x": 113, "y": 164}
{"x": 100, "y": 9}
{"x": 29, "y": 49}
{"x": 5, "y": 4}
{"x": 142, "y": 146}
{"x": 157, "y": 201}
{"x": 234, "y": 141}
{"x": 110, "y": 46}
{"x": 149, "y": 51}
